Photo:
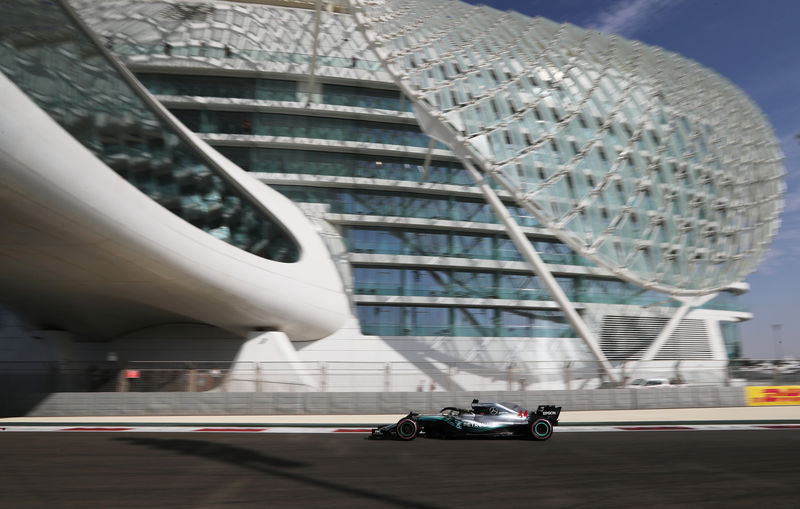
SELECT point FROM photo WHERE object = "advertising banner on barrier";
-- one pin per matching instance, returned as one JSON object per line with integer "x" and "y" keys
{"x": 773, "y": 395}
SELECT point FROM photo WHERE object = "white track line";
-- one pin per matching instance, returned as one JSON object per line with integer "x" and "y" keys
{"x": 363, "y": 430}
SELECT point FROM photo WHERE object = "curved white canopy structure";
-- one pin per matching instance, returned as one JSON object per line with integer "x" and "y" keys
{"x": 116, "y": 217}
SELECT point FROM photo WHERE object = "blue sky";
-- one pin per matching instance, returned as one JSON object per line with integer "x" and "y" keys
{"x": 756, "y": 45}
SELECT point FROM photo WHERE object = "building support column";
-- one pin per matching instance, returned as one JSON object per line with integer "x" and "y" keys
{"x": 540, "y": 268}
{"x": 687, "y": 303}
{"x": 261, "y": 350}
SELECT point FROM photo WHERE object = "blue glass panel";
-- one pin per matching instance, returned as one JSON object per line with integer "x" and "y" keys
{"x": 190, "y": 50}
{"x": 300, "y": 126}
{"x": 472, "y": 321}
{"x": 364, "y": 97}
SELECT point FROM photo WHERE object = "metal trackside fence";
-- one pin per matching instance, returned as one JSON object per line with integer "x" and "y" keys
{"x": 155, "y": 376}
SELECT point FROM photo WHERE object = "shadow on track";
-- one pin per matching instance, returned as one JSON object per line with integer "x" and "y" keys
{"x": 257, "y": 462}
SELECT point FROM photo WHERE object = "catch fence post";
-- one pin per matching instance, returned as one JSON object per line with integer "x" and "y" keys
{"x": 568, "y": 375}
{"x": 122, "y": 381}
{"x": 449, "y": 377}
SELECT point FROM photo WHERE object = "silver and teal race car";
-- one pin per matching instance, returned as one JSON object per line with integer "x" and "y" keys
{"x": 482, "y": 419}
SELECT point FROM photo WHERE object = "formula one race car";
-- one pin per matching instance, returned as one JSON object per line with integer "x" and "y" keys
{"x": 484, "y": 419}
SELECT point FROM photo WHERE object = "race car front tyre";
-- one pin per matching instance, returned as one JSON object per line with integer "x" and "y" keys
{"x": 541, "y": 429}
{"x": 407, "y": 429}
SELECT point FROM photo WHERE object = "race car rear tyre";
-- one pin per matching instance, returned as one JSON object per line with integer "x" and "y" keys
{"x": 407, "y": 429}
{"x": 541, "y": 429}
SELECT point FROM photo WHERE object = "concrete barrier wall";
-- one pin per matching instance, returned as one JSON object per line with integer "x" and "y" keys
{"x": 353, "y": 403}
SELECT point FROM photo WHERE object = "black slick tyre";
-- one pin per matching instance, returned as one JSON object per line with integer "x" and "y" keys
{"x": 407, "y": 429}
{"x": 541, "y": 429}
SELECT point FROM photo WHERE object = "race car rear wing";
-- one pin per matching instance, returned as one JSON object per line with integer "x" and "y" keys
{"x": 549, "y": 412}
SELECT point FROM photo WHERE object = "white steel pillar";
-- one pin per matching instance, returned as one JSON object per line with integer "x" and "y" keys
{"x": 540, "y": 269}
{"x": 687, "y": 303}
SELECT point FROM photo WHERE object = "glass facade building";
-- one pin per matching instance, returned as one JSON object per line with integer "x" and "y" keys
{"x": 357, "y": 150}
{"x": 619, "y": 190}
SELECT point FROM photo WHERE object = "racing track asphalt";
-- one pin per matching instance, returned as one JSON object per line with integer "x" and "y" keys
{"x": 575, "y": 470}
